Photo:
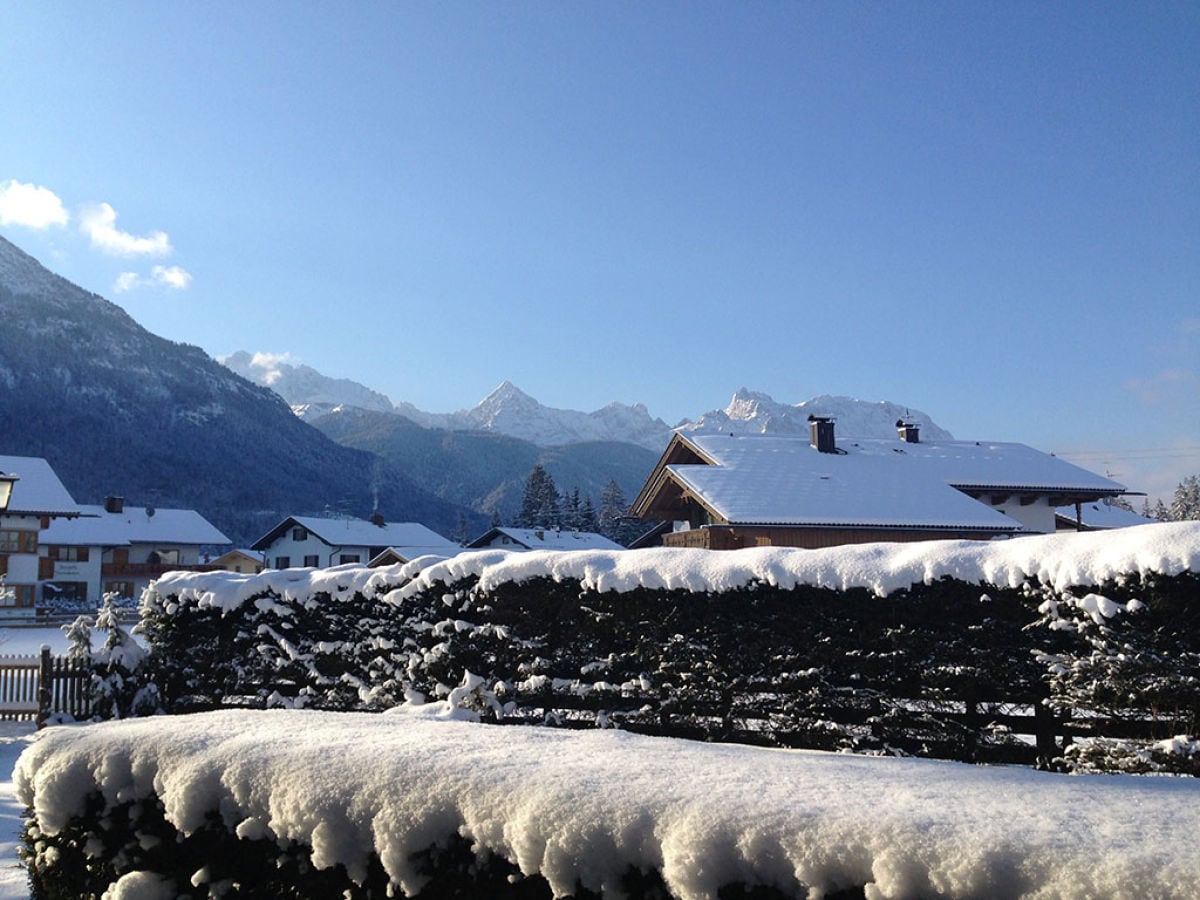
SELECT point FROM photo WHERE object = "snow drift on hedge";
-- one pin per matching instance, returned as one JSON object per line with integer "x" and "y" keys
{"x": 587, "y": 805}
{"x": 1058, "y": 560}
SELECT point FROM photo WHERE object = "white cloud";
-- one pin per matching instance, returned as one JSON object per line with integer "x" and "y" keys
{"x": 30, "y": 205}
{"x": 126, "y": 281}
{"x": 270, "y": 363}
{"x": 98, "y": 222}
{"x": 172, "y": 277}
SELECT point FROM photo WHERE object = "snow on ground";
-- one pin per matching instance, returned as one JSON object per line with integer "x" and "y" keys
{"x": 14, "y": 737}
{"x": 25, "y": 641}
{"x": 585, "y": 805}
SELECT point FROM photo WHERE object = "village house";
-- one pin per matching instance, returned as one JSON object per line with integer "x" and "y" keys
{"x": 726, "y": 491}
{"x": 31, "y": 497}
{"x": 119, "y": 549}
{"x": 505, "y": 538}
{"x": 239, "y": 561}
{"x": 308, "y": 542}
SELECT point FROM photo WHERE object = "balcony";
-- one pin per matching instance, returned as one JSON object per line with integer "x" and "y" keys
{"x": 148, "y": 570}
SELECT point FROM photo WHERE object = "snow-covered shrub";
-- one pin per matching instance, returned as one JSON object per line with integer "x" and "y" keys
{"x": 773, "y": 647}
{"x": 118, "y": 685}
{"x": 1179, "y": 755}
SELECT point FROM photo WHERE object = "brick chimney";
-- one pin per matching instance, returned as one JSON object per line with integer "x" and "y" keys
{"x": 114, "y": 504}
{"x": 821, "y": 430}
{"x": 909, "y": 432}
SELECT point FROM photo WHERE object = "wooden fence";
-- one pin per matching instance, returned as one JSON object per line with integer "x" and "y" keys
{"x": 36, "y": 686}
{"x": 960, "y": 728}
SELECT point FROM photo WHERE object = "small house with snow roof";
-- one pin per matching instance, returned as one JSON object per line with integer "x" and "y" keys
{"x": 1099, "y": 515}
{"x": 238, "y": 560}
{"x": 505, "y": 538}
{"x": 37, "y": 498}
{"x": 120, "y": 548}
{"x": 725, "y": 491}
{"x": 309, "y": 542}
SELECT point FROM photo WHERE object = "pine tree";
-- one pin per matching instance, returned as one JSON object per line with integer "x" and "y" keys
{"x": 572, "y": 510}
{"x": 539, "y": 503}
{"x": 612, "y": 509}
{"x": 588, "y": 520}
{"x": 1160, "y": 511}
{"x": 1185, "y": 505}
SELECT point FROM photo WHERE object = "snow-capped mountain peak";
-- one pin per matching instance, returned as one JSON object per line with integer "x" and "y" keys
{"x": 509, "y": 411}
{"x": 306, "y": 390}
{"x": 753, "y": 412}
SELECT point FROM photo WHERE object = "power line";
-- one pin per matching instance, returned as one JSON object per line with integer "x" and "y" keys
{"x": 1132, "y": 453}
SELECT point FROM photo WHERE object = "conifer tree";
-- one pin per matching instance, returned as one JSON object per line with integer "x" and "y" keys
{"x": 612, "y": 509}
{"x": 1185, "y": 505}
{"x": 539, "y": 504}
{"x": 588, "y": 520}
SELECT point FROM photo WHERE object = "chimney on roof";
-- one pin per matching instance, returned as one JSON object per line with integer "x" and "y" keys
{"x": 114, "y": 504}
{"x": 909, "y": 432}
{"x": 821, "y": 429}
{"x": 377, "y": 519}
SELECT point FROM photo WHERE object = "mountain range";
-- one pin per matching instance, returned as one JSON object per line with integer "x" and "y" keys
{"x": 511, "y": 412}
{"x": 118, "y": 410}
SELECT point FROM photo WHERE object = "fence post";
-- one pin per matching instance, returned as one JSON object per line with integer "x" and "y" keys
{"x": 45, "y": 688}
{"x": 1045, "y": 725}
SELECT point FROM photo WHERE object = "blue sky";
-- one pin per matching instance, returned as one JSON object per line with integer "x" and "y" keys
{"x": 990, "y": 212}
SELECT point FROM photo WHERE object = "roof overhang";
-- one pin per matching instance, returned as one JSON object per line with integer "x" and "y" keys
{"x": 680, "y": 451}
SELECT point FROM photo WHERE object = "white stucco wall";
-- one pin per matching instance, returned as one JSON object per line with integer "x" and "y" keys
{"x": 1036, "y": 517}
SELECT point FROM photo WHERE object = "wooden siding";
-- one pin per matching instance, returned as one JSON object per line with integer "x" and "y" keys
{"x": 735, "y": 538}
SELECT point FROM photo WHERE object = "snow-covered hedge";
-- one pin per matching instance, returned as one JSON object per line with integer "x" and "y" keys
{"x": 242, "y": 803}
{"x": 930, "y": 648}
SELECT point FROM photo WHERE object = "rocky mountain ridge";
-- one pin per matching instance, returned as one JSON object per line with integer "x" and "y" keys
{"x": 511, "y": 412}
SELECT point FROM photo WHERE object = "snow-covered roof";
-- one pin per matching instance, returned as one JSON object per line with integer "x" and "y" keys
{"x": 133, "y": 525}
{"x": 783, "y": 480}
{"x": 1099, "y": 514}
{"x": 392, "y": 555}
{"x": 359, "y": 533}
{"x": 38, "y": 491}
{"x": 549, "y": 539}
{"x": 229, "y": 555}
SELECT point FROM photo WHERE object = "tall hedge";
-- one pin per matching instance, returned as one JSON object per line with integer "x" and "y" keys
{"x": 938, "y": 669}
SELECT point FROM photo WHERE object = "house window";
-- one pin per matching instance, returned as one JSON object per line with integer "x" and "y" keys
{"x": 299, "y": 534}
{"x": 68, "y": 554}
{"x": 18, "y": 541}
{"x": 348, "y": 558}
{"x": 283, "y": 562}
{"x": 163, "y": 557}
{"x": 66, "y": 591}
{"x": 17, "y": 595}
{"x": 120, "y": 588}
{"x": 311, "y": 561}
